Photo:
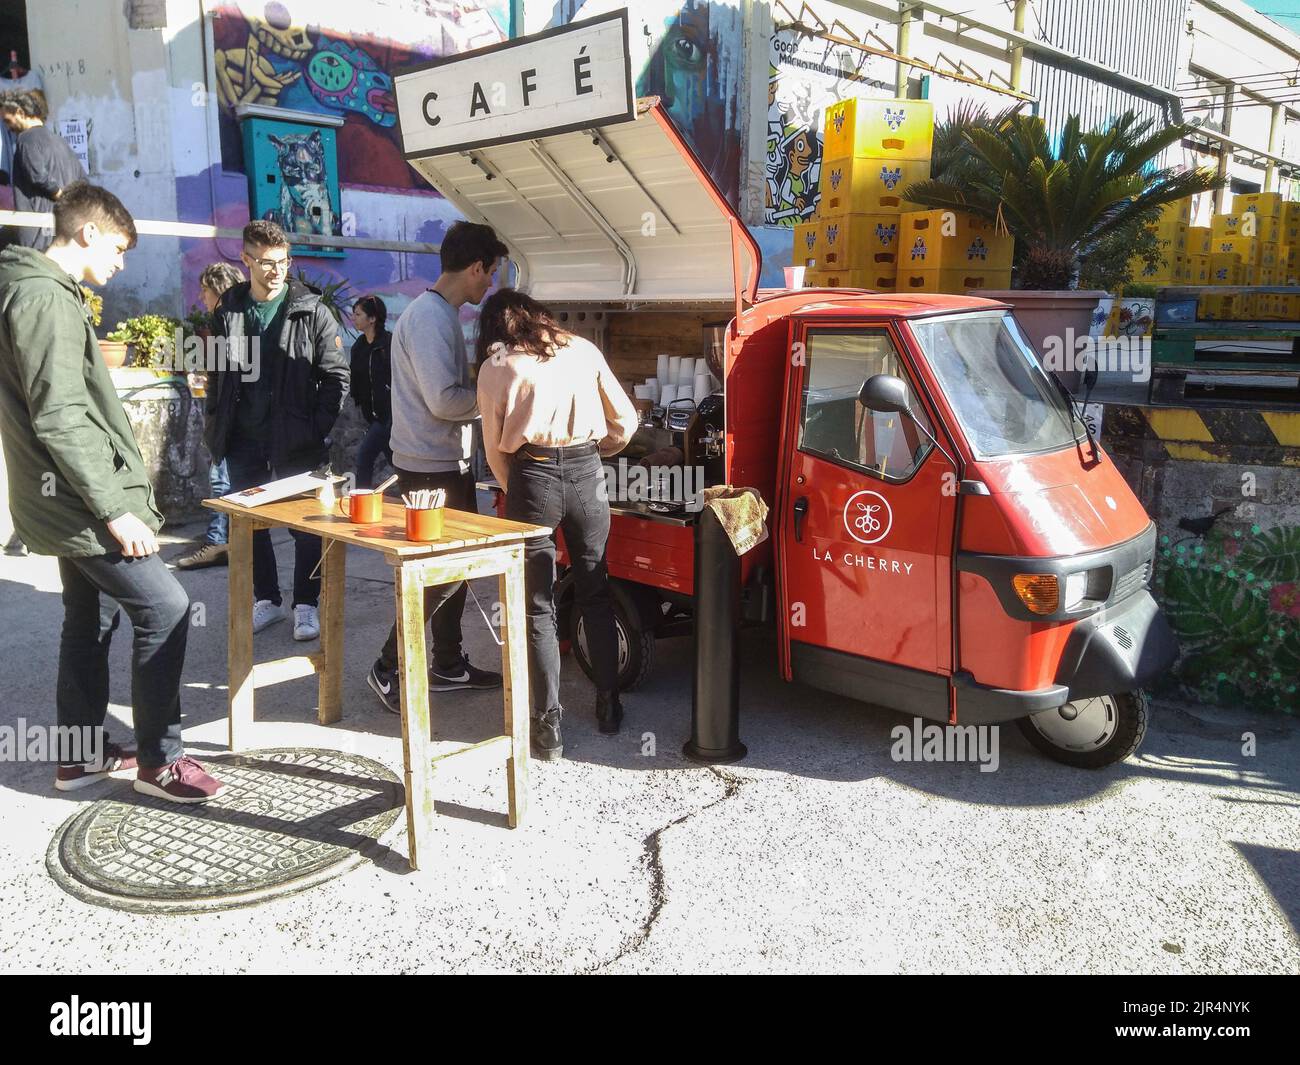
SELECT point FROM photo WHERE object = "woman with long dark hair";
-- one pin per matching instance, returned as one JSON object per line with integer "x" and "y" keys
{"x": 372, "y": 384}
{"x": 552, "y": 408}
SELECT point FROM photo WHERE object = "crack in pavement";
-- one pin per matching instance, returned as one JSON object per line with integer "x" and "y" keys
{"x": 652, "y": 860}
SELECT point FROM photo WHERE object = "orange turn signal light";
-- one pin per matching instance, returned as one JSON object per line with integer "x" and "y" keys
{"x": 1040, "y": 592}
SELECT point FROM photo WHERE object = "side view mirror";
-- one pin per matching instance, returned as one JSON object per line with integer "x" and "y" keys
{"x": 885, "y": 393}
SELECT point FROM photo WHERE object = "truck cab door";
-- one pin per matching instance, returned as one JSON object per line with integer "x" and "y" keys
{"x": 865, "y": 516}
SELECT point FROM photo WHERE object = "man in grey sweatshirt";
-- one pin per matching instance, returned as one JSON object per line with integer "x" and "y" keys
{"x": 434, "y": 408}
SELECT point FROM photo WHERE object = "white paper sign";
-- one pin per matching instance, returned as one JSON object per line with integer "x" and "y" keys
{"x": 573, "y": 77}
{"x": 1093, "y": 414}
{"x": 73, "y": 130}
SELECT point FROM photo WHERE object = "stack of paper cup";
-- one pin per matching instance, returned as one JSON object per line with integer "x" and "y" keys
{"x": 661, "y": 370}
{"x": 702, "y": 388}
{"x": 641, "y": 392}
{"x": 667, "y": 394}
{"x": 652, "y": 388}
{"x": 674, "y": 370}
{"x": 686, "y": 374}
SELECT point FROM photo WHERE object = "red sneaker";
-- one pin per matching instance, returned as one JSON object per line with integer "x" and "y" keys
{"x": 182, "y": 781}
{"x": 114, "y": 759}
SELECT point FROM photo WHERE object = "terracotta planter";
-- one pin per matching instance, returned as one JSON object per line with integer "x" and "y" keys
{"x": 114, "y": 352}
{"x": 1044, "y": 314}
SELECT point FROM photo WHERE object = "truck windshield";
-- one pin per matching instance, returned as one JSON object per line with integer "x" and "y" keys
{"x": 1004, "y": 400}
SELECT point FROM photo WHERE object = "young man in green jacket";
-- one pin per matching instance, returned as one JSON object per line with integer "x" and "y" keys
{"x": 78, "y": 490}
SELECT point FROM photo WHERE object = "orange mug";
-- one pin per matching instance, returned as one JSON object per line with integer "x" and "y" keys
{"x": 362, "y": 508}
{"x": 424, "y": 525}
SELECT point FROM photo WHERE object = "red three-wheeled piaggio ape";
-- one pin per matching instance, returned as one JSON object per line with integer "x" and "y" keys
{"x": 946, "y": 538}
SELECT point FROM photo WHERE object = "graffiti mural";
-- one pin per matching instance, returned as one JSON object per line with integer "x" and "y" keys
{"x": 276, "y": 55}
{"x": 805, "y": 76}
{"x": 696, "y": 69}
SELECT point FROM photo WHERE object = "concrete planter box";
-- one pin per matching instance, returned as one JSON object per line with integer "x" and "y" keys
{"x": 168, "y": 425}
{"x": 1044, "y": 314}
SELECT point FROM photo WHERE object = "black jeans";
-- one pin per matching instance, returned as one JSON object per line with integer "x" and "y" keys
{"x": 443, "y": 603}
{"x": 158, "y": 609}
{"x": 373, "y": 444}
{"x": 248, "y": 466}
{"x": 564, "y": 488}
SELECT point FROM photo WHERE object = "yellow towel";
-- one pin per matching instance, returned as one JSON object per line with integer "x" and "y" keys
{"x": 742, "y": 514}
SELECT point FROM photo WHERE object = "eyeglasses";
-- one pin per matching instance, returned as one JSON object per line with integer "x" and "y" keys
{"x": 272, "y": 264}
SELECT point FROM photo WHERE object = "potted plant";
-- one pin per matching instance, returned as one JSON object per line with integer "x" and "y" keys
{"x": 113, "y": 351}
{"x": 1060, "y": 198}
{"x": 149, "y": 339}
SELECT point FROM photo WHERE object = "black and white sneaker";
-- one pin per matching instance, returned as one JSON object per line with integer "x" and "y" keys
{"x": 383, "y": 682}
{"x": 461, "y": 677}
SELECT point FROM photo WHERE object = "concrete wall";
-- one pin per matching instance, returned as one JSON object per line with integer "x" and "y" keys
{"x": 1223, "y": 485}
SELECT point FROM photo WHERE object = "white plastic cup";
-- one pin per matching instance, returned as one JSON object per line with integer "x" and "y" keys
{"x": 661, "y": 370}
{"x": 668, "y": 394}
{"x": 794, "y": 276}
{"x": 640, "y": 392}
{"x": 674, "y": 369}
{"x": 701, "y": 387}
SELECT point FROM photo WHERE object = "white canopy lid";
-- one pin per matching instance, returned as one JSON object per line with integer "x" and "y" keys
{"x": 623, "y": 212}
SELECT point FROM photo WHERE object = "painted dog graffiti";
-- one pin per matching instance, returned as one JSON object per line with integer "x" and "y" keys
{"x": 304, "y": 193}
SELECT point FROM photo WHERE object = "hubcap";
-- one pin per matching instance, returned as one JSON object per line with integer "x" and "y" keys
{"x": 1083, "y": 725}
{"x": 619, "y": 633}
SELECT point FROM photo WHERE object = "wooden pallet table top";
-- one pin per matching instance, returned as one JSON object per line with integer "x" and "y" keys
{"x": 460, "y": 529}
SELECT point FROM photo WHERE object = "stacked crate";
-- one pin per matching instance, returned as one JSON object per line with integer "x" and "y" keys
{"x": 1181, "y": 258}
{"x": 950, "y": 251}
{"x": 871, "y": 151}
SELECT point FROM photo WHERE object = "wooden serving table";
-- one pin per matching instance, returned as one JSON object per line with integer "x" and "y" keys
{"x": 472, "y": 545}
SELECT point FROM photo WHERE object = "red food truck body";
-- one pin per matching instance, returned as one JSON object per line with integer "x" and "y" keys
{"x": 945, "y": 539}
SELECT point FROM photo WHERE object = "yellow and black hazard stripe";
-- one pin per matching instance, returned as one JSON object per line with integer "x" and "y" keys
{"x": 1249, "y": 437}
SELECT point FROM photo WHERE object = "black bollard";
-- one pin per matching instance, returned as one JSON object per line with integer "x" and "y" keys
{"x": 715, "y": 689}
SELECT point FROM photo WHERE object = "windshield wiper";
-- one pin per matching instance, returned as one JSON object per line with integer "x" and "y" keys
{"x": 1074, "y": 414}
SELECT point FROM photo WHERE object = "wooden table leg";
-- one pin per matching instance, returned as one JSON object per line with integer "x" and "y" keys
{"x": 514, "y": 670}
{"x": 333, "y": 575}
{"x": 239, "y": 631}
{"x": 413, "y": 676}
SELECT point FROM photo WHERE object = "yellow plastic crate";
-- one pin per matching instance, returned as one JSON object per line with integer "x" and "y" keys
{"x": 1225, "y": 269}
{"x": 946, "y": 240}
{"x": 1266, "y": 275}
{"x": 1198, "y": 269}
{"x": 1247, "y": 224}
{"x": 1198, "y": 240}
{"x": 1270, "y": 255}
{"x": 1288, "y": 307}
{"x": 860, "y": 242}
{"x": 879, "y": 280}
{"x": 1246, "y": 247}
{"x": 890, "y": 129}
{"x": 1216, "y": 307}
{"x": 868, "y": 185}
{"x": 1166, "y": 271}
{"x": 1265, "y": 204}
{"x": 807, "y": 237}
{"x": 957, "y": 280}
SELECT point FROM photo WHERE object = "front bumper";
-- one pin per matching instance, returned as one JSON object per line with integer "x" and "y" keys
{"x": 1119, "y": 649}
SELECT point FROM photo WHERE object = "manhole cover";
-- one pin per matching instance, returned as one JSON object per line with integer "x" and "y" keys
{"x": 287, "y": 820}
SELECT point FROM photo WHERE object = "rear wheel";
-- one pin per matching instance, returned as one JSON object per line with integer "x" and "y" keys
{"x": 1090, "y": 733}
{"x": 634, "y": 632}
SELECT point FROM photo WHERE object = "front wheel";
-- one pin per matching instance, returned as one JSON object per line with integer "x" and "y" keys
{"x": 1090, "y": 733}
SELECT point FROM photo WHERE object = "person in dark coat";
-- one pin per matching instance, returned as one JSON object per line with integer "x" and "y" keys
{"x": 372, "y": 384}
{"x": 43, "y": 165}
{"x": 272, "y": 419}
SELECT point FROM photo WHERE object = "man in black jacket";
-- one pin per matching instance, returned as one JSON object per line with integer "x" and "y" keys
{"x": 43, "y": 165}
{"x": 272, "y": 420}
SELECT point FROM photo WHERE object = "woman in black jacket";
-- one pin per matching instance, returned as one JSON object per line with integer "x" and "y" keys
{"x": 372, "y": 384}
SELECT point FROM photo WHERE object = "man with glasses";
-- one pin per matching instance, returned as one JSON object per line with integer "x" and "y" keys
{"x": 271, "y": 409}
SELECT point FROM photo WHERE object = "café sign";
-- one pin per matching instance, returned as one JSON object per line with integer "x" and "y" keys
{"x": 572, "y": 77}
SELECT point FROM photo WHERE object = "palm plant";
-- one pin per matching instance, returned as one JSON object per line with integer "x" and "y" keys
{"x": 1060, "y": 201}
{"x": 952, "y": 156}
